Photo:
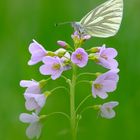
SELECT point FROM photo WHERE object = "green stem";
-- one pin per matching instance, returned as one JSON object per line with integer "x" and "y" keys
{"x": 89, "y": 107}
{"x": 77, "y": 123}
{"x": 72, "y": 103}
{"x": 86, "y": 73}
{"x": 82, "y": 102}
{"x": 60, "y": 87}
{"x": 56, "y": 113}
{"x": 83, "y": 81}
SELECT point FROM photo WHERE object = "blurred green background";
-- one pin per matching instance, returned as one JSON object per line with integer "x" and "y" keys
{"x": 24, "y": 20}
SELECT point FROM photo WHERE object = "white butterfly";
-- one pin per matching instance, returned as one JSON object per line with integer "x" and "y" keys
{"x": 103, "y": 21}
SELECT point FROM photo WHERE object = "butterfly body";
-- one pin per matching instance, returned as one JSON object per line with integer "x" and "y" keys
{"x": 103, "y": 21}
{"x": 78, "y": 27}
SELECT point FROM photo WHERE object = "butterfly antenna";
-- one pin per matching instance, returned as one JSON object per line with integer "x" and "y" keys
{"x": 63, "y": 23}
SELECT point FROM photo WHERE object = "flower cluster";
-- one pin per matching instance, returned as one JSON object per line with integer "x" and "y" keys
{"x": 35, "y": 101}
{"x": 55, "y": 63}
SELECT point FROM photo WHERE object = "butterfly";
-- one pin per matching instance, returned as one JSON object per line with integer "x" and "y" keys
{"x": 103, "y": 21}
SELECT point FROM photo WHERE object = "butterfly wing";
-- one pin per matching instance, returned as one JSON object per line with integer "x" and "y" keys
{"x": 104, "y": 21}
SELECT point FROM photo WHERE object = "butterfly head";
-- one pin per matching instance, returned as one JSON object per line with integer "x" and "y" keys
{"x": 78, "y": 27}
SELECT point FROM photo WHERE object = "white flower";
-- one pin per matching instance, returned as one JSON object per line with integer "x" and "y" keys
{"x": 34, "y": 99}
{"x": 37, "y": 53}
{"x": 34, "y": 128}
{"x": 107, "y": 109}
{"x": 32, "y": 86}
{"x": 65, "y": 58}
{"x": 105, "y": 83}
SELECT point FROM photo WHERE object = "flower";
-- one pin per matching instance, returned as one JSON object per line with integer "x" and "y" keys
{"x": 60, "y": 52}
{"x": 80, "y": 36}
{"x": 79, "y": 57}
{"x": 65, "y": 58}
{"x": 104, "y": 83}
{"x": 62, "y": 43}
{"x": 107, "y": 110}
{"x": 66, "y": 61}
{"x": 105, "y": 57}
{"x": 34, "y": 99}
{"x": 52, "y": 66}
{"x": 32, "y": 86}
{"x": 34, "y": 128}
{"x": 37, "y": 52}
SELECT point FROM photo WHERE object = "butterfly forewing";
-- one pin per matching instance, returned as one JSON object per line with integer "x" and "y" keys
{"x": 105, "y": 20}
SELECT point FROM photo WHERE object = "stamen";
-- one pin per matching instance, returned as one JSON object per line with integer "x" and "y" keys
{"x": 104, "y": 56}
{"x": 98, "y": 86}
{"x": 56, "y": 66}
{"x": 79, "y": 56}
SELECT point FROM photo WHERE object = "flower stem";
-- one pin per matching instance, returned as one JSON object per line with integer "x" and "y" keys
{"x": 82, "y": 102}
{"x": 86, "y": 73}
{"x": 60, "y": 87}
{"x": 72, "y": 103}
{"x": 83, "y": 81}
{"x": 60, "y": 113}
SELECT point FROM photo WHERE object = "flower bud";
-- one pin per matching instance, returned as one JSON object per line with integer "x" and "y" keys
{"x": 86, "y": 37}
{"x": 42, "y": 118}
{"x": 50, "y": 53}
{"x": 96, "y": 107}
{"x": 98, "y": 74}
{"x": 94, "y": 50}
{"x": 93, "y": 57}
{"x": 60, "y": 52}
{"x": 62, "y": 44}
{"x": 47, "y": 93}
{"x": 42, "y": 83}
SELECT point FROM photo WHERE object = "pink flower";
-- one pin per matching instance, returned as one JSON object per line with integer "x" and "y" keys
{"x": 107, "y": 110}
{"x": 104, "y": 83}
{"x": 106, "y": 56}
{"x": 34, "y": 128}
{"x": 82, "y": 36}
{"x": 65, "y": 58}
{"x": 37, "y": 52}
{"x": 62, "y": 44}
{"x": 34, "y": 99}
{"x": 80, "y": 57}
{"x": 60, "y": 52}
{"x": 52, "y": 66}
{"x": 32, "y": 86}
{"x": 66, "y": 62}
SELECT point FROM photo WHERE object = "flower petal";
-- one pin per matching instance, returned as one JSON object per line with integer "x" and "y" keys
{"x": 56, "y": 75}
{"x": 110, "y": 52}
{"x": 28, "y": 118}
{"x": 34, "y": 130}
{"x": 111, "y": 75}
{"x": 107, "y": 114}
{"x": 41, "y": 99}
{"x": 109, "y": 85}
{"x": 99, "y": 92}
{"x": 102, "y": 95}
{"x": 48, "y": 60}
{"x": 111, "y": 104}
{"x": 45, "y": 69}
{"x": 113, "y": 63}
{"x": 31, "y": 104}
{"x": 28, "y": 83}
